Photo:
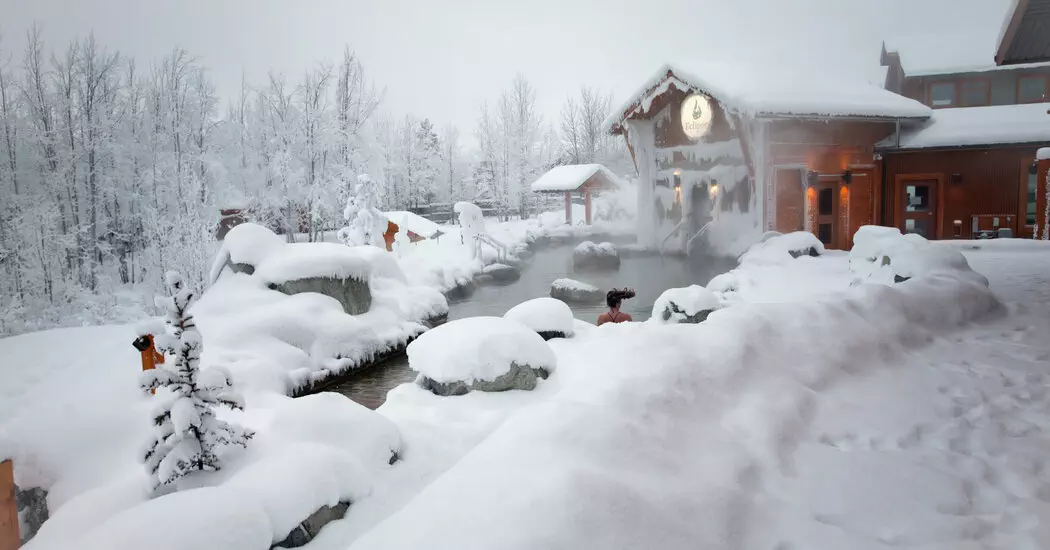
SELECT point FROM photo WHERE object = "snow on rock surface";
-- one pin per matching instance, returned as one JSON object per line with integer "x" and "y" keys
{"x": 884, "y": 255}
{"x": 304, "y": 260}
{"x": 776, "y": 248}
{"x": 477, "y": 348}
{"x": 571, "y": 177}
{"x": 691, "y": 304}
{"x": 575, "y": 291}
{"x": 247, "y": 244}
{"x": 543, "y": 315}
{"x": 977, "y": 126}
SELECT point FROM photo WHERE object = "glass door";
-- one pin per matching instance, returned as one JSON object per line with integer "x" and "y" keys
{"x": 919, "y": 208}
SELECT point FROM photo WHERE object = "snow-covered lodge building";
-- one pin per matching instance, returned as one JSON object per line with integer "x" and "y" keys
{"x": 944, "y": 144}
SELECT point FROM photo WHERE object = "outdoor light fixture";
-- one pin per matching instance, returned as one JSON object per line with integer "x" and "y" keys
{"x": 956, "y": 179}
{"x": 847, "y": 177}
{"x": 714, "y": 189}
{"x": 812, "y": 179}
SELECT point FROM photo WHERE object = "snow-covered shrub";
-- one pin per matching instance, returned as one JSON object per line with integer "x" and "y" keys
{"x": 776, "y": 248}
{"x": 691, "y": 304}
{"x": 884, "y": 255}
{"x": 571, "y": 290}
{"x": 365, "y": 223}
{"x": 550, "y": 318}
{"x": 243, "y": 249}
{"x": 480, "y": 353}
{"x": 188, "y": 436}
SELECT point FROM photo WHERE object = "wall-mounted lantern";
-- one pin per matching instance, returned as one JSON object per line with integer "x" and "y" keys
{"x": 812, "y": 179}
{"x": 955, "y": 179}
{"x": 847, "y": 177}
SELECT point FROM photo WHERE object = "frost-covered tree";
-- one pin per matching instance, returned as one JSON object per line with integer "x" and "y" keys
{"x": 188, "y": 437}
{"x": 365, "y": 223}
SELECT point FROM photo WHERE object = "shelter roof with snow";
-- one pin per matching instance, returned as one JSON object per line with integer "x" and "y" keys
{"x": 576, "y": 177}
{"x": 769, "y": 92}
{"x": 974, "y": 126}
{"x": 415, "y": 223}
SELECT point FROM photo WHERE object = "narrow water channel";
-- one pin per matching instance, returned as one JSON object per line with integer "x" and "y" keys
{"x": 649, "y": 276}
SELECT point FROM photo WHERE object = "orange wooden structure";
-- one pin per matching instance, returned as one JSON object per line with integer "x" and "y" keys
{"x": 10, "y": 539}
{"x": 150, "y": 356}
{"x": 391, "y": 232}
{"x": 1040, "y": 196}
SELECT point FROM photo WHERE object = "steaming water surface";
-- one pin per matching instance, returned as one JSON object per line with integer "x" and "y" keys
{"x": 649, "y": 276}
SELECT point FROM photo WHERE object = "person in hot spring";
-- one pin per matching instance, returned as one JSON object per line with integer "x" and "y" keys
{"x": 613, "y": 299}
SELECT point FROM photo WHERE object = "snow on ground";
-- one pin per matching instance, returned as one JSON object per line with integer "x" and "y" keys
{"x": 478, "y": 348}
{"x": 686, "y": 301}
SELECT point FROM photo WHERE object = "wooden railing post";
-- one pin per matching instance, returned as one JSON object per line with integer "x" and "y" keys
{"x": 10, "y": 539}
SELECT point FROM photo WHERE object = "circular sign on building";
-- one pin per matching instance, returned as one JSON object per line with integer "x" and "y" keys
{"x": 696, "y": 116}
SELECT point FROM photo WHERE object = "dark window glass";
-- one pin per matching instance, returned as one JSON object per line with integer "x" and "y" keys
{"x": 973, "y": 93}
{"x": 1031, "y": 89}
{"x": 826, "y": 197}
{"x": 1033, "y": 180}
{"x": 824, "y": 233}
{"x": 942, "y": 94}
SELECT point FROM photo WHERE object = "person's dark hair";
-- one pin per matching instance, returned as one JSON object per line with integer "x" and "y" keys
{"x": 617, "y": 295}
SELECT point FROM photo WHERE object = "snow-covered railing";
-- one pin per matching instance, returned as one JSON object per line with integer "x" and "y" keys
{"x": 502, "y": 250}
{"x": 701, "y": 231}
{"x": 672, "y": 233}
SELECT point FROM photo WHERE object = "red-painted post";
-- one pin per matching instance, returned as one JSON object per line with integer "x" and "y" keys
{"x": 568, "y": 207}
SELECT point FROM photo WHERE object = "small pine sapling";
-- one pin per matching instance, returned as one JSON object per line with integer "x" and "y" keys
{"x": 188, "y": 436}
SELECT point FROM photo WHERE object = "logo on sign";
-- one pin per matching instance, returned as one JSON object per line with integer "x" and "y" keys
{"x": 696, "y": 116}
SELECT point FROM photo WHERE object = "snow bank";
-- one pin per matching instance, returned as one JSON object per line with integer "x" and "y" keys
{"x": 543, "y": 315}
{"x": 247, "y": 243}
{"x": 680, "y": 305}
{"x": 776, "y": 248}
{"x": 477, "y": 348}
{"x": 884, "y": 255}
{"x": 744, "y": 469}
{"x": 303, "y": 260}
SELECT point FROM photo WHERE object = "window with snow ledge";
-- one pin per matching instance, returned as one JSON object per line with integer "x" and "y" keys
{"x": 1032, "y": 88}
{"x": 942, "y": 94}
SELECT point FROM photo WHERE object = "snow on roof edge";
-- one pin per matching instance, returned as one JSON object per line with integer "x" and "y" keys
{"x": 569, "y": 177}
{"x": 975, "y": 127}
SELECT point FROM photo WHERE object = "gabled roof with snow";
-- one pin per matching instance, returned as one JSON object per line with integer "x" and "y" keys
{"x": 974, "y": 126}
{"x": 414, "y": 223}
{"x": 771, "y": 91}
{"x": 572, "y": 176}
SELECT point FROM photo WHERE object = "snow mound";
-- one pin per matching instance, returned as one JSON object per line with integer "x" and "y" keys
{"x": 543, "y": 315}
{"x": 248, "y": 244}
{"x": 776, "y": 248}
{"x": 592, "y": 249}
{"x": 573, "y": 284}
{"x": 477, "y": 348}
{"x": 304, "y": 260}
{"x": 681, "y": 305}
{"x": 884, "y": 255}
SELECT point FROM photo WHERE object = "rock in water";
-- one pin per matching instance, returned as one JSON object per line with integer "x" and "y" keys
{"x": 488, "y": 354}
{"x": 353, "y": 294}
{"x": 501, "y": 273}
{"x": 571, "y": 290}
{"x": 550, "y": 318}
{"x": 589, "y": 257}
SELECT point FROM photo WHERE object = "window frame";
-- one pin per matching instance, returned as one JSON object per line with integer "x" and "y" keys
{"x": 1046, "y": 87}
{"x": 1022, "y": 208}
{"x": 955, "y": 93}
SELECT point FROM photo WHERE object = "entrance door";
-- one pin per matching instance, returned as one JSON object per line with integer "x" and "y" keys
{"x": 918, "y": 207}
{"x": 827, "y": 218}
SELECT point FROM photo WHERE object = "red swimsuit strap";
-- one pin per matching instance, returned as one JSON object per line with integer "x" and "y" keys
{"x": 613, "y": 317}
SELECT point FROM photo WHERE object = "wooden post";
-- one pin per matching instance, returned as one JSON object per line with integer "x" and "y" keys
{"x": 568, "y": 207}
{"x": 10, "y": 539}
{"x": 587, "y": 203}
{"x": 1041, "y": 183}
{"x": 150, "y": 356}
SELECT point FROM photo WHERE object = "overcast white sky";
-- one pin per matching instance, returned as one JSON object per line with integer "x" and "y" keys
{"x": 441, "y": 58}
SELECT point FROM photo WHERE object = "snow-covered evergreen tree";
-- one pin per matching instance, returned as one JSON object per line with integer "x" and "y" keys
{"x": 366, "y": 224}
{"x": 188, "y": 436}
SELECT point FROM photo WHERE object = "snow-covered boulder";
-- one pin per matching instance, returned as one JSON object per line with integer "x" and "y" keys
{"x": 590, "y": 256}
{"x": 884, "y": 255}
{"x": 691, "y": 304}
{"x": 776, "y": 248}
{"x": 550, "y": 318}
{"x": 334, "y": 270}
{"x": 571, "y": 290}
{"x": 244, "y": 248}
{"x": 488, "y": 354}
{"x": 499, "y": 273}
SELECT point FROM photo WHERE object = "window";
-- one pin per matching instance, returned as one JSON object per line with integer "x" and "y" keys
{"x": 1031, "y": 88}
{"x": 826, "y": 198}
{"x": 942, "y": 94}
{"x": 918, "y": 198}
{"x": 973, "y": 93}
{"x": 1033, "y": 185}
